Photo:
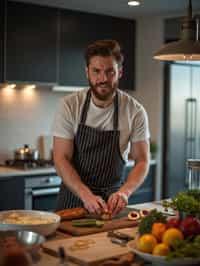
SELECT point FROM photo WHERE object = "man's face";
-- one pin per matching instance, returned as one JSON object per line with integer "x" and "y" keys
{"x": 103, "y": 75}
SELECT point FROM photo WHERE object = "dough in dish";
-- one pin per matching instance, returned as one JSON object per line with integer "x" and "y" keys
{"x": 70, "y": 214}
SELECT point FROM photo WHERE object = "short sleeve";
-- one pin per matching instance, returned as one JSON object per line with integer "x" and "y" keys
{"x": 140, "y": 126}
{"x": 63, "y": 121}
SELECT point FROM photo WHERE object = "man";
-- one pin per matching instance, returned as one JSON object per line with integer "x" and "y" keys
{"x": 92, "y": 130}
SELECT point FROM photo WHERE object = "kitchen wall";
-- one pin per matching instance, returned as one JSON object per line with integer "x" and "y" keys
{"x": 25, "y": 115}
{"x": 149, "y": 81}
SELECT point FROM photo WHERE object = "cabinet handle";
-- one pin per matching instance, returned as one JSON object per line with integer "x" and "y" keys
{"x": 44, "y": 192}
{"x": 190, "y": 126}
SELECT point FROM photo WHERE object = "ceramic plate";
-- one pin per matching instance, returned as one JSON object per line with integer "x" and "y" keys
{"x": 161, "y": 260}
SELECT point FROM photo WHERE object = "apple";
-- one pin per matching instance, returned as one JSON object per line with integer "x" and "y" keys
{"x": 173, "y": 223}
{"x": 190, "y": 226}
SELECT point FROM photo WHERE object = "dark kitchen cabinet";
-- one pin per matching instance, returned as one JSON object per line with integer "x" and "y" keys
{"x": 11, "y": 193}
{"x": 78, "y": 29}
{"x": 145, "y": 193}
{"x": 46, "y": 45}
{"x": 31, "y": 43}
{"x": 2, "y": 37}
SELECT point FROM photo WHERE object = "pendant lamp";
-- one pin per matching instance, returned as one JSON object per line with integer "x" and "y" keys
{"x": 133, "y": 2}
{"x": 188, "y": 47}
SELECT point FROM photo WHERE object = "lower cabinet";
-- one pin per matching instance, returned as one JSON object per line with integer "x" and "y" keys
{"x": 146, "y": 191}
{"x": 11, "y": 193}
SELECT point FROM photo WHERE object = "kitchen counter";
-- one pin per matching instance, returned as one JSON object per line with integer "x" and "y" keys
{"x": 10, "y": 171}
{"x": 6, "y": 171}
{"x": 49, "y": 260}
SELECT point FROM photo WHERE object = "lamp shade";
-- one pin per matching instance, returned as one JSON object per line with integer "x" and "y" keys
{"x": 188, "y": 47}
{"x": 179, "y": 51}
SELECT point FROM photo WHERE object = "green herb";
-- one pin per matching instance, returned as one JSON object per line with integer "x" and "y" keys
{"x": 146, "y": 223}
{"x": 186, "y": 201}
{"x": 184, "y": 249}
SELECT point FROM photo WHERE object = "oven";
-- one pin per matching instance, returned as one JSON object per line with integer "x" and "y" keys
{"x": 41, "y": 192}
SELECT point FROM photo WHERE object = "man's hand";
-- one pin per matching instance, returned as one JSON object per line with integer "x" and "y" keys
{"x": 117, "y": 202}
{"x": 94, "y": 204}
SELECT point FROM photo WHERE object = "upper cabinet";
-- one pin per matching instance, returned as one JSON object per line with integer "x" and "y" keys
{"x": 31, "y": 43}
{"x": 78, "y": 29}
{"x": 47, "y": 45}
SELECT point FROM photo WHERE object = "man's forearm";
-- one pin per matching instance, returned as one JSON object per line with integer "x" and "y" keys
{"x": 135, "y": 178}
{"x": 71, "y": 178}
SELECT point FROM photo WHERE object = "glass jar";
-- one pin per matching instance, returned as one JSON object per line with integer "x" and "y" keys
{"x": 193, "y": 173}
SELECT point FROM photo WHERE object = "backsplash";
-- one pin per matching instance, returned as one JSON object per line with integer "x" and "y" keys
{"x": 25, "y": 115}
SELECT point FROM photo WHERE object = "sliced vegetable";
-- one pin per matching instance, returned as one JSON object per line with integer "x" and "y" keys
{"x": 88, "y": 223}
{"x": 133, "y": 215}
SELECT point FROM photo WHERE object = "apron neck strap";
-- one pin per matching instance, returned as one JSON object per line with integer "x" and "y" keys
{"x": 86, "y": 107}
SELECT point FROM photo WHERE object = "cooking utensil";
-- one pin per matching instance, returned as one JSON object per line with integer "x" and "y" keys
{"x": 31, "y": 241}
{"x": 66, "y": 226}
{"x": 27, "y": 238}
{"x": 40, "y": 228}
{"x": 100, "y": 249}
{"x": 118, "y": 241}
{"x": 119, "y": 235}
{"x": 62, "y": 256}
{"x": 26, "y": 153}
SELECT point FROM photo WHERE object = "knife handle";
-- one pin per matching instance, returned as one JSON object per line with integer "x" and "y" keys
{"x": 119, "y": 235}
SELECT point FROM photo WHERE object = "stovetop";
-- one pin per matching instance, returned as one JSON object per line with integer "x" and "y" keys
{"x": 29, "y": 164}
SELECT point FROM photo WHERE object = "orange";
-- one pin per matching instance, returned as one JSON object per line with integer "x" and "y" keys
{"x": 158, "y": 230}
{"x": 170, "y": 235}
{"x": 160, "y": 249}
{"x": 146, "y": 243}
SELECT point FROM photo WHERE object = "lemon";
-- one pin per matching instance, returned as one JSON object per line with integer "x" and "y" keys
{"x": 146, "y": 243}
{"x": 170, "y": 235}
{"x": 161, "y": 249}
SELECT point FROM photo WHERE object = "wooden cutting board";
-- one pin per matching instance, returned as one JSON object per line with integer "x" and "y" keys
{"x": 100, "y": 249}
{"x": 120, "y": 221}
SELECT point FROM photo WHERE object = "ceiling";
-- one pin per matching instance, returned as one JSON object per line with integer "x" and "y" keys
{"x": 120, "y": 8}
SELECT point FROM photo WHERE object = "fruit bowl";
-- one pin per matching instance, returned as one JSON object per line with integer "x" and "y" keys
{"x": 161, "y": 260}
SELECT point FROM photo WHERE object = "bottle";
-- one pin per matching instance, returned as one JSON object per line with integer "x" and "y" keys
{"x": 193, "y": 175}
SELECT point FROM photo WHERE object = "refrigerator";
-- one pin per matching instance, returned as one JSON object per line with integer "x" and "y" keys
{"x": 181, "y": 124}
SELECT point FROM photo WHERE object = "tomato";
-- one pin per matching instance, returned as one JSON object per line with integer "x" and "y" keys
{"x": 173, "y": 223}
{"x": 190, "y": 226}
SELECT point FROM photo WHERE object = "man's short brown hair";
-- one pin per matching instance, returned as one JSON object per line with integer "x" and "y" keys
{"x": 104, "y": 48}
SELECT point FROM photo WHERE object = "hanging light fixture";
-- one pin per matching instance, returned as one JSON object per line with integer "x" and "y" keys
{"x": 133, "y": 2}
{"x": 188, "y": 47}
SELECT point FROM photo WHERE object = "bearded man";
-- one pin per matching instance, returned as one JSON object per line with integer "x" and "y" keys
{"x": 93, "y": 131}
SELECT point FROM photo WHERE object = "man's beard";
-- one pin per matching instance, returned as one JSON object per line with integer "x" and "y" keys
{"x": 103, "y": 96}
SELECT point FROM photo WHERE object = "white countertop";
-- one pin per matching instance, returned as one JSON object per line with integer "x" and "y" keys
{"x": 6, "y": 171}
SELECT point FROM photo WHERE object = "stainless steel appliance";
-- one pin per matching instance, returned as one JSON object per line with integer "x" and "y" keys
{"x": 29, "y": 164}
{"x": 182, "y": 127}
{"x": 41, "y": 192}
{"x": 26, "y": 153}
{"x": 40, "y": 187}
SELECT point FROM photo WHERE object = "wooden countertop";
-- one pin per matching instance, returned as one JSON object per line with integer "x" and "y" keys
{"x": 52, "y": 261}
{"x": 49, "y": 260}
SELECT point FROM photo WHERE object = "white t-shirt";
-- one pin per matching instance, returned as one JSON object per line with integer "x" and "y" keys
{"x": 133, "y": 120}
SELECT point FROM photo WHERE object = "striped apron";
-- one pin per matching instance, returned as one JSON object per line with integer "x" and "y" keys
{"x": 97, "y": 159}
